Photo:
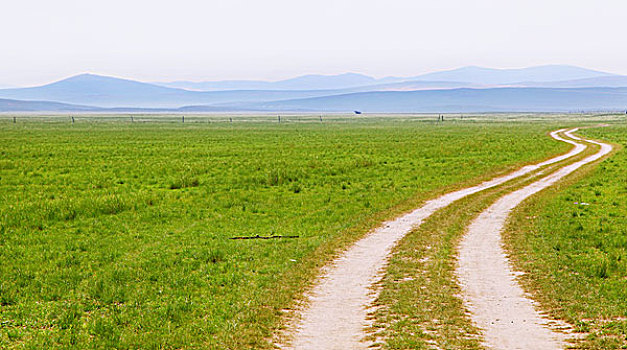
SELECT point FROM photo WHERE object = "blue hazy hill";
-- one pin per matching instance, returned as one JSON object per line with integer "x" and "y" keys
{"x": 491, "y": 76}
{"x": 103, "y": 91}
{"x": 460, "y": 100}
{"x": 305, "y": 82}
{"x": 605, "y": 81}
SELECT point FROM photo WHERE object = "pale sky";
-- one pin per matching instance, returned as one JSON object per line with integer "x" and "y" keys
{"x": 155, "y": 40}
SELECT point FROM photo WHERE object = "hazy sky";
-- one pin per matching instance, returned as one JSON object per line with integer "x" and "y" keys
{"x": 43, "y": 40}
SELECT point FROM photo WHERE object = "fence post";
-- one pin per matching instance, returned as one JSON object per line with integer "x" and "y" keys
{"x": 132, "y": 119}
{"x": 72, "y": 119}
{"x": 14, "y": 120}
{"x": 183, "y": 118}
{"x": 279, "y": 119}
{"x": 321, "y": 119}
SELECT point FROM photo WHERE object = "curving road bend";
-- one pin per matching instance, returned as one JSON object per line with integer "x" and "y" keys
{"x": 337, "y": 310}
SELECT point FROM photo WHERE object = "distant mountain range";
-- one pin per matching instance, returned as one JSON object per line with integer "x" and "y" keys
{"x": 469, "y": 89}
{"x": 490, "y": 76}
{"x": 305, "y": 82}
{"x": 466, "y": 76}
{"x": 107, "y": 92}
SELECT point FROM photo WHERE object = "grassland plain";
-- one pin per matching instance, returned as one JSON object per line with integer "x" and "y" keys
{"x": 115, "y": 235}
{"x": 572, "y": 243}
{"x": 419, "y": 305}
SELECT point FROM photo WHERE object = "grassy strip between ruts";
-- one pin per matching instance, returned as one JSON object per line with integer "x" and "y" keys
{"x": 571, "y": 241}
{"x": 419, "y": 306}
{"x": 116, "y": 235}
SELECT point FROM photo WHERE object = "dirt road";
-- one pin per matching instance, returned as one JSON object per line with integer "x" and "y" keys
{"x": 337, "y": 309}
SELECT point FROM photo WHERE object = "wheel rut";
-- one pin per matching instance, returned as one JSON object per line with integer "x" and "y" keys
{"x": 496, "y": 302}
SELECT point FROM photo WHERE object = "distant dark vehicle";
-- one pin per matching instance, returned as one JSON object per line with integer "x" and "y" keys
{"x": 357, "y": 112}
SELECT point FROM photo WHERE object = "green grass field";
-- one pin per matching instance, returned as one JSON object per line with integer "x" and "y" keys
{"x": 116, "y": 235}
{"x": 575, "y": 254}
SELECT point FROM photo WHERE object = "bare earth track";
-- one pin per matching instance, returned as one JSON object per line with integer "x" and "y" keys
{"x": 337, "y": 308}
{"x": 497, "y": 303}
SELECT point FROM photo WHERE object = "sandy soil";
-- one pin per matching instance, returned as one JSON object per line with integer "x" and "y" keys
{"x": 495, "y": 300}
{"x": 337, "y": 309}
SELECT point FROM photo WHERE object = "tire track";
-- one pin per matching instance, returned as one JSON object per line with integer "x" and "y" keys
{"x": 338, "y": 303}
{"x": 497, "y": 303}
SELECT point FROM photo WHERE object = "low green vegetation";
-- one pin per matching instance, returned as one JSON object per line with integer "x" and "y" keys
{"x": 571, "y": 241}
{"x": 116, "y": 235}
